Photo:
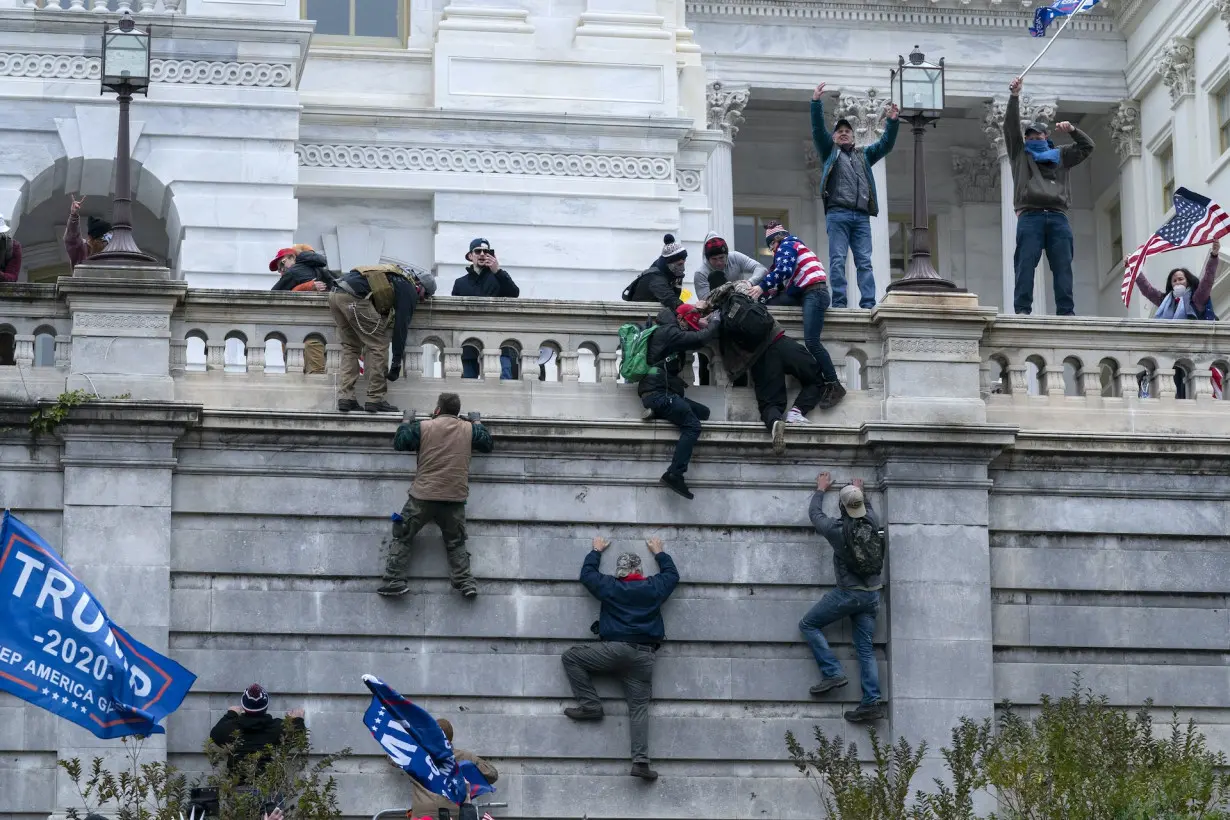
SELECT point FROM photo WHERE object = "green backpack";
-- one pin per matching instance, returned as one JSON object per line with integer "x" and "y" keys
{"x": 634, "y": 341}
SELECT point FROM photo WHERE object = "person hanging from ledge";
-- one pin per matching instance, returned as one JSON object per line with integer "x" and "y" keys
{"x": 10, "y": 254}
{"x": 303, "y": 270}
{"x": 722, "y": 265}
{"x": 372, "y": 307}
{"x": 445, "y": 444}
{"x": 485, "y": 277}
{"x": 98, "y": 233}
{"x": 661, "y": 282}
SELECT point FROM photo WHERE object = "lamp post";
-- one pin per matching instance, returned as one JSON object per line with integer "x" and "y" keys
{"x": 125, "y": 70}
{"x": 918, "y": 91}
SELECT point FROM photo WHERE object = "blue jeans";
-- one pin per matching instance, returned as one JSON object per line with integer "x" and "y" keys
{"x": 1038, "y": 231}
{"x": 861, "y": 607}
{"x": 470, "y": 368}
{"x": 815, "y": 302}
{"x": 850, "y": 231}
{"x": 684, "y": 414}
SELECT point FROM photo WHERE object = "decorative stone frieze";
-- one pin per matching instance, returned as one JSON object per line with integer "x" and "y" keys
{"x": 688, "y": 179}
{"x": 811, "y": 161}
{"x": 182, "y": 72}
{"x": 1177, "y": 66}
{"x": 867, "y": 113}
{"x": 726, "y": 106}
{"x": 976, "y": 173}
{"x": 1125, "y": 129}
{"x": 947, "y": 14}
{"x": 1031, "y": 111}
{"x": 480, "y": 161}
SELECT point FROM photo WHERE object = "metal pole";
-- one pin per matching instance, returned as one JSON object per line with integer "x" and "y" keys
{"x": 122, "y": 249}
{"x": 920, "y": 273}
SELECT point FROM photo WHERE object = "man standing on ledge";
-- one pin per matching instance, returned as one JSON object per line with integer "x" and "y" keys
{"x": 630, "y": 630}
{"x": 1041, "y": 178}
{"x": 439, "y": 492}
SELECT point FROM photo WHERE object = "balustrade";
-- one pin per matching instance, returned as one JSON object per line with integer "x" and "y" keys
{"x": 118, "y": 6}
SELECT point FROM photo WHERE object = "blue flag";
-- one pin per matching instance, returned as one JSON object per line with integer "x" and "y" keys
{"x": 413, "y": 740}
{"x": 1058, "y": 8}
{"x": 60, "y": 651}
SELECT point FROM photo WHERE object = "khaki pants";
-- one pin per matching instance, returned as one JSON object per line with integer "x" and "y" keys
{"x": 451, "y": 518}
{"x": 362, "y": 332}
{"x": 314, "y": 357}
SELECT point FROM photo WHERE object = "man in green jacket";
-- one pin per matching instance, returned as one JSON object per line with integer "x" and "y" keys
{"x": 849, "y": 193}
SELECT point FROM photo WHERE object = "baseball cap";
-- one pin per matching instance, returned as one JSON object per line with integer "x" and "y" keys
{"x": 851, "y": 498}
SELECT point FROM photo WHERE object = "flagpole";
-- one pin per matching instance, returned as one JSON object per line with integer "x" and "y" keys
{"x": 1050, "y": 42}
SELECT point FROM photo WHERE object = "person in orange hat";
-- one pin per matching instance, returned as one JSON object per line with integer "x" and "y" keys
{"x": 304, "y": 270}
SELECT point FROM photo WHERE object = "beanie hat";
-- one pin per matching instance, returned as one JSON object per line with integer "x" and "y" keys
{"x": 688, "y": 316}
{"x": 255, "y": 699}
{"x": 714, "y": 246}
{"x": 772, "y": 229}
{"x": 273, "y": 263}
{"x": 95, "y": 227}
{"x": 627, "y": 564}
{"x": 672, "y": 249}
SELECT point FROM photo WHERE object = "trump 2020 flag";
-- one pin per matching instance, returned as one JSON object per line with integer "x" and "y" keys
{"x": 413, "y": 740}
{"x": 1059, "y": 8}
{"x": 1197, "y": 220}
{"x": 60, "y": 651}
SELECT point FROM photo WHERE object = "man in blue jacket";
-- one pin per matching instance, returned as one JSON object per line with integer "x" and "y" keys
{"x": 849, "y": 192}
{"x": 630, "y": 630}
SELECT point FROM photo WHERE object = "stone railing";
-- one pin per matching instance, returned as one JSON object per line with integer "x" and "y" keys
{"x": 134, "y": 6}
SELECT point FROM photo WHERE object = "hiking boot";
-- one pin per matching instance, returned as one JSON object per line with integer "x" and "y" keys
{"x": 381, "y": 406}
{"x": 866, "y": 713}
{"x": 469, "y": 592}
{"x": 392, "y": 589}
{"x": 675, "y": 482}
{"x": 346, "y": 405}
{"x": 646, "y": 415}
{"x": 582, "y": 713}
{"x": 796, "y": 417}
{"x": 779, "y": 436}
{"x": 829, "y": 684}
{"x": 832, "y": 395}
{"x": 643, "y": 771}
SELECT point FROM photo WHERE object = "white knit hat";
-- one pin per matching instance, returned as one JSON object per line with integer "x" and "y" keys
{"x": 671, "y": 249}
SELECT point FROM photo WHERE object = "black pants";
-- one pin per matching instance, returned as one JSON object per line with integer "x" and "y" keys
{"x": 784, "y": 356}
{"x": 684, "y": 414}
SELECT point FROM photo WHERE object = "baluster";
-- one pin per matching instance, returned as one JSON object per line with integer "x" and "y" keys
{"x": 1201, "y": 383}
{"x": 171, "y": 6}
{"x": 100, "y": 5}
{"x": 490, "y": 363}
{"x": 29, "y": 4}
{"x": 1091, "y": 382}
{"x": 1163, "y": 382}
{"x": 76, "y": 5}
{"x": 64, "y": 350}
{"x": 179, "y": 355}
{"x": 122, "y": 6}
{"x": 1018, "y": 377}
{"x": 1054, "y": 380}
{"x": 147, "y": 6}
{"x": 256, "y": 358}
{"x": 569, "y": 369}
{"x": 529, "y": 365}
{"x": 606, "y": 367}
{"x": 294, "y": 357}
{"x": 23, "y": 349}
{"x": 1128, "y": 388}
{"x": 215, "y": 355}
{"x": 875, "y": 377}
{"x": 717, "y": 371}
{"x": 333, "y": 359}
{"x": 452, "y": 362}
{"x": 414, "y": 361}
{"x": 987, "y": 374}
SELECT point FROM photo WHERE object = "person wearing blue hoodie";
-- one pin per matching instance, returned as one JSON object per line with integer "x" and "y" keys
{"x": 630, "y": 630}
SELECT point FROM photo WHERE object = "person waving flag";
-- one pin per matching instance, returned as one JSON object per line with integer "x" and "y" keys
{"x": 1044, "y": 16}
{"x": 1197, "y": 220}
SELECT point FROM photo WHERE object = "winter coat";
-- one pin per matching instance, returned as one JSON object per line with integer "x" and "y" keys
{"x": 833, "y": 529}
{"x": 1041, "y": 186}
{"x": 738, "y": 266}
{"x": 827, "y": 151}
{"x": 309, "y": 266}
{"x": 657, "y": 284}
{"x": 10, "y": 259}
{"x": 486, "y": 283}
{"x": 631, "y": 609}
{"x": 736, "y": 358}
{"x": 428, "y": 804}
{"x": 669, "y": 339}
{"x": 1200, "y": 297}
{"x": 256, "y": 731}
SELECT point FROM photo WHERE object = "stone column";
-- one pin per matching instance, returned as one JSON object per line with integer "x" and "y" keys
{"x": 1133, "y": 187}
{"x": 725, "y": 115}
{"x": 976, "y": 173}
{"x": 992, "y": 126}
{"x": 868, "y": 114}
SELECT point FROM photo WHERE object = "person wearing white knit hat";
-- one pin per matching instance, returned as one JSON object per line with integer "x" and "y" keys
{"x": 662, "y": 281}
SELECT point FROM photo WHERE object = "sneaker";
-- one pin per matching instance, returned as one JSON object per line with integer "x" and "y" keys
{"x": 643, "y": 771}
{"x": 675, "y": 482}
{"x": 866, "y": 713}
{"x": 646, "y": 415}
{"x": 469, "y": 593}
{"x": 832, "y": 395}
{"x": 795, "y": 417}
{"x": 828, "y": 685}
{"x": 779, "y": 437}
{"x": 346, "y": 405}
{"x": 581, "y": 713}
{"x": 381, "y": 406}
{"x": 392, "y": 589}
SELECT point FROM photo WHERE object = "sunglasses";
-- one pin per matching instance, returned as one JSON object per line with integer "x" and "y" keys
{"x": 483, "y": 252}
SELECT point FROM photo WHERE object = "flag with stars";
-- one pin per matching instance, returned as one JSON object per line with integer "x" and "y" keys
{"x": 415, "y": 742}
{"x": 1059, "y": 8}
{"x": 60, "y": 651}
{"x": 1197, "y": 220}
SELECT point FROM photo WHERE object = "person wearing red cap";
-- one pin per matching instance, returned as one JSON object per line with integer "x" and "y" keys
{"x": 722, "y": 265}
{"x": 302, "y": 270}
{"x": 661, "y": 392}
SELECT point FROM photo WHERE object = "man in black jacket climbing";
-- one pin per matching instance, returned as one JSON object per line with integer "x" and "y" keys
{"x": 677, "y": 332}
{"x": 250, "y": 727}
{"x": 485, "y": 277}
{"x": 302, "y": 269}
{"x": 662, "y": 281}
{"x": 630, "y": 630}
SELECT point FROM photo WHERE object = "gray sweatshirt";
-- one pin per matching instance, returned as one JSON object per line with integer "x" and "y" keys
{"x": 738, "y": 266}
{"x": 832, "y": 529}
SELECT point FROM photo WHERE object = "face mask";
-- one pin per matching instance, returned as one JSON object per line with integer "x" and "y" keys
{"x": 1179, "y": 291}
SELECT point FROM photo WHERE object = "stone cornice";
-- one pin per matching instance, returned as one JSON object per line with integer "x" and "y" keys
{"x": 429, "y": 119}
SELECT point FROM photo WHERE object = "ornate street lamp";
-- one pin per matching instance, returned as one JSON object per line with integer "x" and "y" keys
{"x": 125, "y": 70}
{"x": 918, "y": 90}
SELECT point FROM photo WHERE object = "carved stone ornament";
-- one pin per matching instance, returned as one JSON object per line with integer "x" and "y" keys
{"x": 480, "y": 161}
{"x": 1125, "y": 129}
{"x": 994, "y": 111}
{"x": 1177, "y": 65}
{"x": 181, "y": 72}
{"x": 811, "y": 161}
{"x": 122, "y": 321}
{"x": 1223, "y": 8}
{"x": 688, "y": 180}
{"x": 726, "y": 107}
{"x": 867, "y": 114}
{"x": 976, "y": 173}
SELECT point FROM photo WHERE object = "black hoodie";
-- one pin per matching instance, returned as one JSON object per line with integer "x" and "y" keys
{"x": 658, "y": 284}
{"x": 256, "y": 731}
{"x": 669, "y": 339}
{"x": 308, "y": 265}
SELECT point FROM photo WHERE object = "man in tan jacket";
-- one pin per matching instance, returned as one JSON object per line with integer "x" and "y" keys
{"x": 441, "y": 486}
{"x": 428, "y": 804}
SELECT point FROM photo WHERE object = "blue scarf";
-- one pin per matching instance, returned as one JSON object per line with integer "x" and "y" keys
{"x": 1043, "y": 151}
{"x": 1173, "y": 307}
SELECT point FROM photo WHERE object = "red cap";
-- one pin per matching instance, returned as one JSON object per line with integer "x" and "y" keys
{"x": 690, "y": 315}
{"x": 273, "y": 265}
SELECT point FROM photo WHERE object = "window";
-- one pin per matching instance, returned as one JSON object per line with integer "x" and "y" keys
{"x": 749, "y": 230}
{"x": 1165, "y": 161}
{"x": 900, "y": 239}
{"x": 1115, "y": 215}
{"x": 1222, "y": 100}
{"x": 366, "y": 22}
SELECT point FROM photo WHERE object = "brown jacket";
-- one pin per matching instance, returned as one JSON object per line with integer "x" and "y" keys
{"x": 428, "y": 804}
{"x": 1041, "y": 187}
{"x": 444, "y": 445}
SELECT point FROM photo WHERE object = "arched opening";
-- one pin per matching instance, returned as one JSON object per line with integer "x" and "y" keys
{"x": 314, "y": 354}
{"x": 235, "y": 353}
{"x": 548, "y": 362}
{"x": 8, "y": 346}
{"x": 1035, "y": 376}
{"x": 510, "y": 360}
{"x": 194, "y": 352}
{"x": 704, "y": 370}
{"x": 471, "y": 359}
{"x": 1108, "y": 372}
{"x": 1184, "y": 386}
{"x": 275, "y": 353}
{"x": 856, "y": 370}
{"x": 45, "y": 347}
{"x": 1072, "y": 368}
{"x": 433, "y": 367}
{"x": 1146, "y": 379}
{"x": 587, "y": 363}
{"x": 1001, "y": 378}
{"x": 1218, "y": 374}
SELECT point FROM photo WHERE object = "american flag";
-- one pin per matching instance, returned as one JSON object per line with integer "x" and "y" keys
{"x": 1058, "y": 8}
{"x": 1217, "y": 380}
{"x": 1197, "y": 220}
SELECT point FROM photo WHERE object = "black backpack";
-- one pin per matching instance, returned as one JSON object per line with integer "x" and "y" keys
{"x": 746, "y": 321}
{"x": 630, "y": 291}
{"x": 863, "y": 548}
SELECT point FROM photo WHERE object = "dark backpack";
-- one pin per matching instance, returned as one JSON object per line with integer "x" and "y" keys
{"x": 746, "y": 321}
{"x": 630, "y": 291}
{"x": 863, "y": 548}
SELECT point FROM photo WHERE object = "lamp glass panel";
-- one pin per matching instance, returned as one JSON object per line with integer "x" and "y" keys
{"x": 916, "y": 90}
{"x": 126, "y": 57}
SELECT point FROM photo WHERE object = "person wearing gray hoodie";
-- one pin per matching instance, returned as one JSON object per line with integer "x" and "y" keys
{"x": 722, "y": 265}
